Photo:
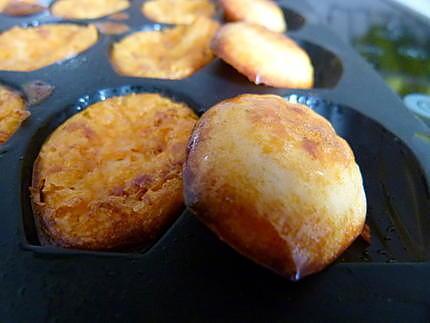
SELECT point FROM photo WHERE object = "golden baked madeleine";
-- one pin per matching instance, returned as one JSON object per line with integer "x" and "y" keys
{"x": 28, "y": 49}
{"x": 110, "y": 177}
{"x": 177, "y": 11}
{"x": 261, "y": 12}
{"x": 174, "y": 53}
{"x": 21, "y": 7}
{"x": 87, "y": 9}
{"x": 274, "y": 181}
{"x": 264, "y": 56}
{"x": 5, "y": 3}
{"x": 13, "y": 111}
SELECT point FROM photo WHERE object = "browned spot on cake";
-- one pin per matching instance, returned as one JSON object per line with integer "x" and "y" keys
{"x": 111, "y": 28}
{"x": 310, "y": 147}
{"x": 37, "y": 91}
{"x": 119, "y": 16}
{"x": 18, "y": 8}
{"x": 143, "y": 181}
{"x": 80, "y": 126}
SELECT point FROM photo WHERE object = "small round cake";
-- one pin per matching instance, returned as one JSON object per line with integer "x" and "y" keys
{"x": 13, "y": 111}
{"x": 261, "y": 12}
{"x": 110, "y": 177}
{"x": 274, "y": 181}
{"x": 264, "y": 56}
{"x": 87, "y": 9}
{"x": 177, "y": 11}
{"x": 21, "y": 7}
{"x": 31, "y": 48}
{"x": 173, "y": 53}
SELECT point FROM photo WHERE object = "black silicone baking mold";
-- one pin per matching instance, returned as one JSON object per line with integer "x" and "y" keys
{"x": 188, "y": 274}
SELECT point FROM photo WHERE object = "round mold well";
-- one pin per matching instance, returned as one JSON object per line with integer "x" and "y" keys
{"x": 217, "y": 15}
{"x": 29, "y": 225}
{"x": 65, "y": 60}
{"x": 293, "y": 19}
{"x": 52, "y": 3}
{"x": 153, "y": 27}
{"x": 328, "y": 68}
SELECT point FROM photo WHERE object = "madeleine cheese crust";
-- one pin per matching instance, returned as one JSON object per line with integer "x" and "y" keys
{"x": 264, "y": 56}
{"x": 28, "y": 49}
{"x": 177, "y": 11}
{"x": 5, "y": 3}
{"x": 261, "y": 12}
{"x": 110, "y": 177}
{"x": 87, "y": 9}
{"x": 20, "y": 7}
{"x": 173, "y": 53}
{"x": 13, "y": 111}
{"x": 274, "y": 181}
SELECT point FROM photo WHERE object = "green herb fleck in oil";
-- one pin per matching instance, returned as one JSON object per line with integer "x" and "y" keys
{"x": 423, "y": 136}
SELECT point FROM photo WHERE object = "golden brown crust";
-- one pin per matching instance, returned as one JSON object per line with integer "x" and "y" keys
{"x": 13, "y": 111}
{"x": 274, "y": 181}
{"x": 111, "y": 176}
{"x": 20, "y": 7}
{"x": 263, "y": 56}
{"x": 174, "y": 53}
{"x": 177, "y": 11}
{"x": 5, "y": 3}
{"x": 87, "y": 9}
{"x": 261, "y": 12}
{"x": 28, "y": 49}
{"x": 111, "y": 28}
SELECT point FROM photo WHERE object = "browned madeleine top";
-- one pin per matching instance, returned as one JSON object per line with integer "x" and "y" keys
{"x": 275, "y": 181}
{"x": 264, "y": 56}
{"x": 87, "y": 9}
{"x": 13, "y": 111}
{"x": 111, "y": 175}
{"x": 177, "y": 11}
{"x": 5, "y": 3}
{"x": 31, "y": 48}
{"x": 261, "y": 12}
{"x": 174, "y": 53}
{"x": 21, "y": 7}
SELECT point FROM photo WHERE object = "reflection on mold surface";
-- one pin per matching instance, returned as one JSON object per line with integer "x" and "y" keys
{"x": 393, "y": 41}
{"x": 423, "y": 136}
{"x": 403, "y": 60}
{"x": 397, "y": 196}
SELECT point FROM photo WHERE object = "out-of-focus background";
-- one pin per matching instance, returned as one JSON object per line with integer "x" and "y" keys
{"x": 394, "y": 37}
